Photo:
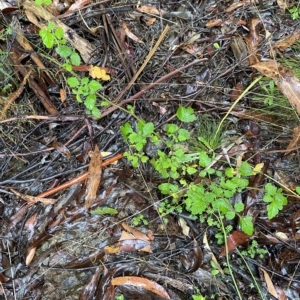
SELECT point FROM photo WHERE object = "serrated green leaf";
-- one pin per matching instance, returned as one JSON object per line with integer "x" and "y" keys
{"x": 273, "y": 210}
{"x": 204, "y": 159}
{"x": 126, "y": 129}
{"x": 75, "y": 59}
{"x": 59, "y": 33}
{"x": 270, "y": 189}
{"x": 94, "y": 86}
{"x": 90, "y": 101}
{"x": 51, "y": 26}
{"x": 148, "y": 129}
{"x": 239, "y": 207}
{"x": 73, "y": 82}
{"x": 85, "y": 81}
{"x": 245, "y": 169}
{"x": 171, "y": 128}
{"x": 68, "y": 67}
{"x": 246, "y": 224}
{"x": 230, "y": 215}
{"x": 47, "y": 38}
{"x": 96, "y": 112}
{"x": 64, "y": 51}
{"x": 230, "y": 172}
{"x": 183, "y": 135}
{"x": 185, "y": 114}
{"x": 104, "y": 211}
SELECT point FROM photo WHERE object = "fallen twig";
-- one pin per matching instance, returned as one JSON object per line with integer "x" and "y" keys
{"x": 77, "y": 179}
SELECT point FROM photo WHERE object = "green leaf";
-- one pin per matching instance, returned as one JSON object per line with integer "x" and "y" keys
{"x": 47, "y": 2}
{"x": 245, "y": 169}
{"x": 126, "y": 129}
{"x": 96, "y": 113}
{"x": 75, "y": 59}
{"x": 59, "y": 33}
{"x": 148, "y": 129}
{"x": 183, "y": 135}
{"x": 68, "y": 67}
{"x": 185, "y": 114}
{"x": 298, "y": 190}
{"x": 94, "y": 86}
{"x": 204, "y": 159}
{"x": 85, "y": 81}
{"x": 38, "y": 2}
{"x": 51, "y": 26}
{"x": 230, "y": 215}
{"x": 273, "y": 210}
{"x": 73, "y": 82}
{"x": 90, "y": 101}
{"x": 229, "y": 172}
{"x": 171, "y": 128}
{"x": 270, "y": 189}
{"x": 64, "y": 51}
{"x": 104, "y": 211}
{"x": 238, "y": 207}
{"x": 247, "y": 225}
{"x": 47, "y": 38}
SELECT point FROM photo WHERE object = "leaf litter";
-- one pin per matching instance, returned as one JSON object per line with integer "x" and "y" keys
{"x": 145, "y": 56}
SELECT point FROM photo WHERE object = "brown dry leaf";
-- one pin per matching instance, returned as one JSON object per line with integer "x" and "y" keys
{"x": 74, "y": 8}
{"x": 142, "y": 283}
{"x": 295, "y": 141}
{"x": 99, "y": 72}
{"x": 270, "y": 286}
{"x": 233, "y": 240}
{"x": 214, "y": 23}
{"x": 236, "y": 5}
{"x": 185, "y": 228}
{"x": 130, "y": 34}
{"x": 253, "y": 40}
{"x": 95, "y": 172}
{"x": 150, "y": 21}
{"x": 30, "y": 255}
{"x": 61, "y": 148}
{"x": 284, "y": 78}
{"x": 32, "y": 199}
{"x": 137, "y": 234}
{"x": 150, "y": 10}
{"x": 287, "y": 41}
{"x": 29, "y": 225}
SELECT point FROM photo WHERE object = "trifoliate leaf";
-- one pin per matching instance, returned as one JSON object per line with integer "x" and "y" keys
{"x": 270, "y": 189}
{"x": 185, "y": 114}
{"x": 104, "y": 211}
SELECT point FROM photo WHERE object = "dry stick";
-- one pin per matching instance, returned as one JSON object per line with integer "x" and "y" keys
{"x": 77, "y": 179}
{"x": 151, "y": 86}
{"x": 149, "y": 56}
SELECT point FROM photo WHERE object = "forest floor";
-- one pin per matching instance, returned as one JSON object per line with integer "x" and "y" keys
{"x": 149, "y": 150}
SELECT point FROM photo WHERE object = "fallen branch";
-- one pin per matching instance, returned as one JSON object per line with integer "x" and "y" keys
{"x": 80, "y": 178}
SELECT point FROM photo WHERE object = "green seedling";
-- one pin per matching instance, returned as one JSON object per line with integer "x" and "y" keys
{"x": 84, "y": 89}
{"x": 275, "y": 198}
{"x": 139, "y": 220}
{"x": 295, "y": 12}
{"x": 254, "y": 250}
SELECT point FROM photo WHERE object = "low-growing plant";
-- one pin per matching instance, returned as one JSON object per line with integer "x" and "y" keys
{"x": 192, "y": 184}
{"x": 254, "y": 250}
{"x": 84, "y": 89}
{"x": 295, "y": 12}
{"x": 139, "y": 220}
